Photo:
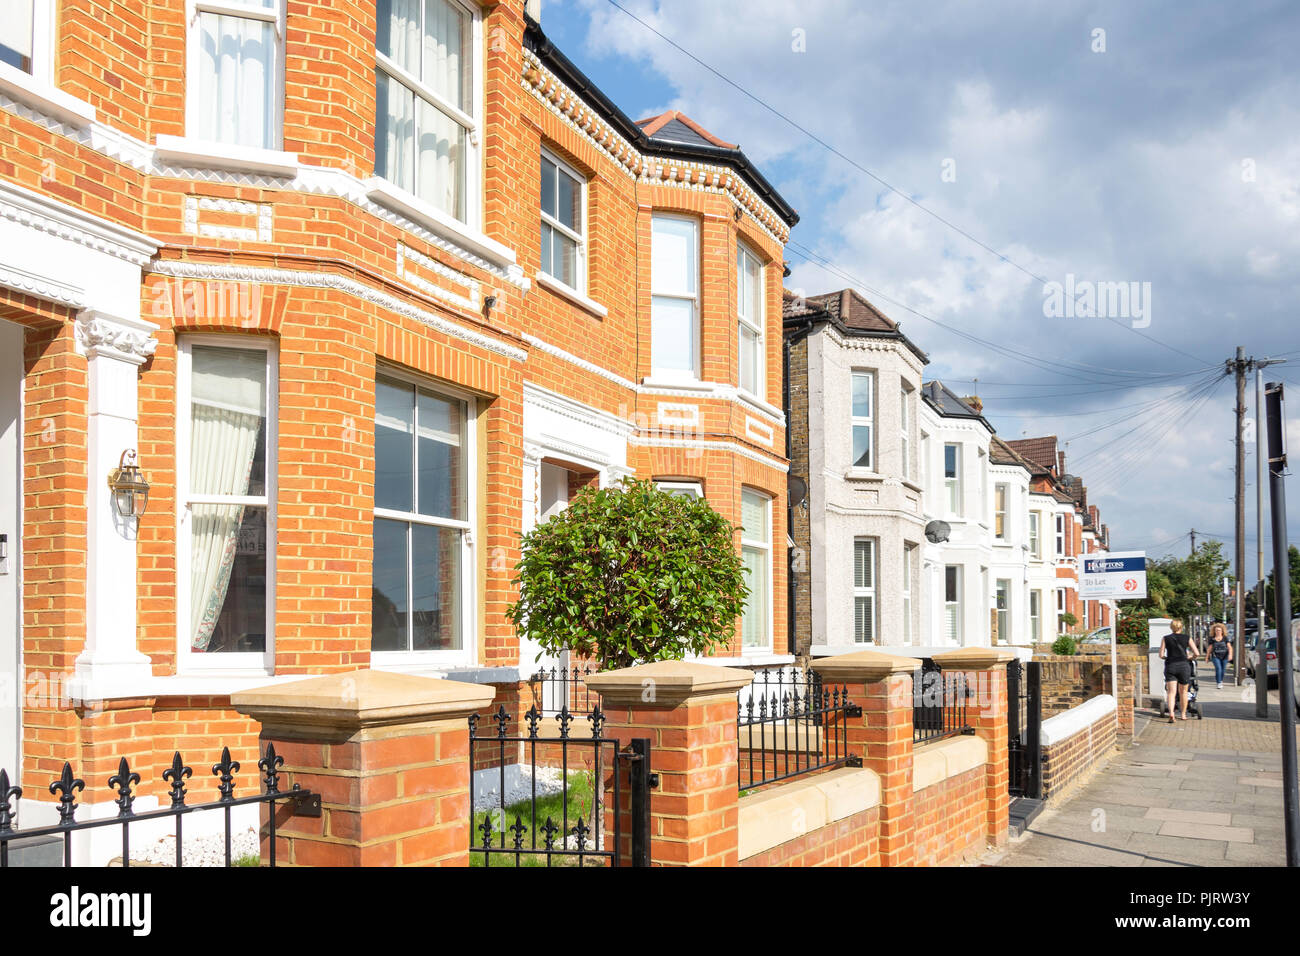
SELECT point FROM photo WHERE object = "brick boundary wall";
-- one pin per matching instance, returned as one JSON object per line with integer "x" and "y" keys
{"x": 1070, "y": 760}
{"x": 950, "y": 820}
{"x": 1070, "y": 681}
{"x": 853, "y": 841}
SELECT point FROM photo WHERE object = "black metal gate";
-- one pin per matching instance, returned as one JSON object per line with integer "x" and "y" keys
{"x": 1024, "y": 725}
{"x": 574, "y": 798}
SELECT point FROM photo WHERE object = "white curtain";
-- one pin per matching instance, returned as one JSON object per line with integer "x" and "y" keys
{"x": 227, "y": 410}
{"x": 16, "y": 31}
{"x": 235, "y": 76}
{"x": 754, "y": 623}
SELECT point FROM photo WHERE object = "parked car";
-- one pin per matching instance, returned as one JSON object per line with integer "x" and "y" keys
{"x": 1098, "y": 635}
{"x": 1270, "y": 657}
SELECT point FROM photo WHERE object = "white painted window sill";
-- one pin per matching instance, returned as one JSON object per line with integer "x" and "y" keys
{"x": 435, "y": 220}
{"x": 177, "y": 685}
{"x": 755, "y": 402}
{"x": 183, "y": 151}
{"x": 573, "y": 295}
{"x": 863, "y": 474}
{"x": 757, "y": 658}
{"x": 683, "y": 384}
{"x": 45, "y": 97}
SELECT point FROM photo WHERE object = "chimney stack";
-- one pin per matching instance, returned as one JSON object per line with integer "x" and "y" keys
{"x": 974, "y": 402}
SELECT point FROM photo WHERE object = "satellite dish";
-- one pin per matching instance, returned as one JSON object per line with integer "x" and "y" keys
{"x": 936, "y": 532}
{"x": 796, "y": 490}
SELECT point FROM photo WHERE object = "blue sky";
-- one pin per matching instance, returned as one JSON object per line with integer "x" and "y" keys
{"x": 1164, "y": 149}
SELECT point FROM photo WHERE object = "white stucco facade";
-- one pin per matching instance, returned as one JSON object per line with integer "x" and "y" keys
{"x": 860, "y": 509}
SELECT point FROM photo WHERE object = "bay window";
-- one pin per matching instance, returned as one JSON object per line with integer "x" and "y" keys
{"x": 563, "y": 201}
{"x": 1036, "y": 616}
{"x": 226, "y": 492}
{"x": 674, "y": 300}
{"x": 1001, "y": 494}
{"x": 235, "y": 72}
{"x": 1035, "y": 535}
{"x": 905, "y": 431}
{"x": 863, "y": 421}
{"x": 1003, "y": 608}
{"x": 426, "y": 131}
{"x": 864, "y": 590}
{"x": 421, "y": 524}
{"x": 749, "y": 306}
{"x": 909, "y": 554}
{"x": 1060, "y": 536}
{"x": 756, "y": 553}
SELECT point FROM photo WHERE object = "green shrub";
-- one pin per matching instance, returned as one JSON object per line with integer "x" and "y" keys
{"x": 1065, "y": 645}
{"x": 630, "y": 574}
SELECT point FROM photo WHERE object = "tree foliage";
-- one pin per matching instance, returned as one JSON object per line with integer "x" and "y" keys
{"x": 630, "y": 574}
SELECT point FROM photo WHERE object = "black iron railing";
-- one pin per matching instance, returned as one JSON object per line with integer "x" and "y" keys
{"x": 939, "y": 701}
{"x": 1024, "y": 729}
{"x": 556, "y": 688}
{"x": 790, "y": 723}
{"x": 550, "y": 802}
{"x": 67, "y": 786}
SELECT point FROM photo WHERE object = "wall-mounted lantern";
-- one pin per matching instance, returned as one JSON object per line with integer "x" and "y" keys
{"x": 130, "y": 490}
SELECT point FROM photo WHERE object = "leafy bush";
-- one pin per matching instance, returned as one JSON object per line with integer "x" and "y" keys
{"x": 1133, "y": 629}
{"x": 1065, "y": 645}
{"x": 1069, "y": 619}
{"x": 628, "y": 575}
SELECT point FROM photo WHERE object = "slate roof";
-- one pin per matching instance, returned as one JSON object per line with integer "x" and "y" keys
{"x": 849, "y": 311}
{"x": 947, "y": 403}
{"x": 671, "y": 135}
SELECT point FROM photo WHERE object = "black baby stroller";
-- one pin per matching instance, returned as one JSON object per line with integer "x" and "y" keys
{"x": 1193, "y": 689}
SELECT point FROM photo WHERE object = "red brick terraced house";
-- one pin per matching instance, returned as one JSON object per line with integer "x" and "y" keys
{"x": 367, "y": 290}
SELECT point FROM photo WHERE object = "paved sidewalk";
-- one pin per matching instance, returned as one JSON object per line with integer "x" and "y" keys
{"x": 1196, "y": 793}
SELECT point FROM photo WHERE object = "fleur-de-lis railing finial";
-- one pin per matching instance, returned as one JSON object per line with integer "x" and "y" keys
{"x": 7, "y": 793}
{"x": 548, "y": 833}
{"x": 502, "y": 718}
{"x": 226, "y": 770}
{"x": 175, "y": 775}
{"x": 580, "y": 831}
{"x": 564, "y": 718}
{"x": 473, "y": 725}
{"x": 122, "y": 782}
{"x": 533, "y": 717}
{"x": 520, "y": 831}
{"x": 270, "y": 766}
{"x": 65, "y": 788}
{"x": 597, "y": 723}
{"x": 487, "y": 830}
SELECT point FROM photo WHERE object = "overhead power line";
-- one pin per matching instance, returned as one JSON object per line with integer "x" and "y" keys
{"x": 868, "y": 172}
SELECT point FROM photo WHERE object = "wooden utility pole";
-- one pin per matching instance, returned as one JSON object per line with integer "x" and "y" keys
{"x": 1238, "y": 366}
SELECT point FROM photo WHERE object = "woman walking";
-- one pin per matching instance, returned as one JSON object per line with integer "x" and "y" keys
{"x": 1178, "y": 651}
{"x": 1219, "y": 651}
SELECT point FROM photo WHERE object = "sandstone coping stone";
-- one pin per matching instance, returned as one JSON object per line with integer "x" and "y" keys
{"x": 666, "y": 683}
{"x": 973, "y": 658}
{"x": 863, "y": 667}
{"x": 783, "y": 813}
{"x": 361, "y": 700}
{"x": 936, "y": 762}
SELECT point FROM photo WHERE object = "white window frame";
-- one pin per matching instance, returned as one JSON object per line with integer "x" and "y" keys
{"x": 864, "y": 421}
{"x": 924, "y": 465}
{"x": 869, "y": 592}
{"x": 251, "y": 662}
{"x": 908, "y": 555}
{"x": 766, "y": 549}
{"x": 950, "y": 606}
{"x": 952, "y": 486}
{"x": 1002, "y": 490}
{"x": 1060, "y": 535}
{"x": 472, "y": 122}
{"x": 755, "y": 324}
{"x": 43, "y": 31}
{"x": 580, "y": 254}
{"x": 693, "y": 374}
{"x": 905, "y": 429}
{"x": 688, "y": 489}
{"x": 274, "y": 15}
{"x": 1036, "y": 535}
{"x": 467, "y": 653}
{"x": 1004, "y": 613}
{"x": 1060, "y": 610}
{"x": 1035, "y": 615}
